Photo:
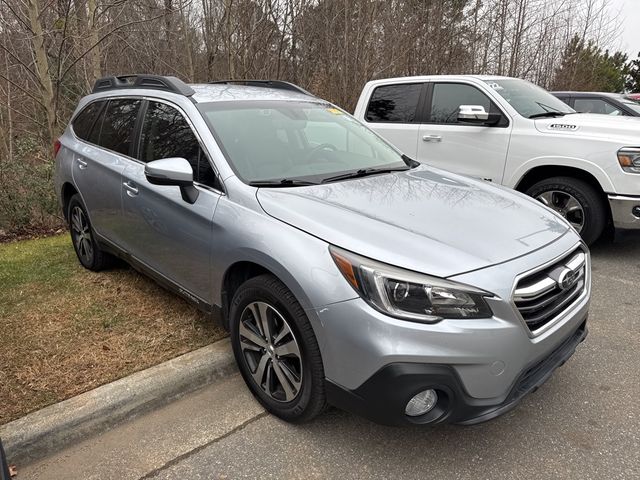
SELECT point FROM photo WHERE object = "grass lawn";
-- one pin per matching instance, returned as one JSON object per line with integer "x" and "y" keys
{"x": 65, "y": 330}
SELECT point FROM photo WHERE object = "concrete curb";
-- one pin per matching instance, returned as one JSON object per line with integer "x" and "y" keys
{"x": 54, "y": 427}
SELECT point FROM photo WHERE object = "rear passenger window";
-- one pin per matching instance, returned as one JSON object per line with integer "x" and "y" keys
{"x": 84, "y": 121}
{"x": 116, "y": 131}
{"x": 165, "y": 134}
{"x": 447, "y": 98}
{"x": 394, "y": 103}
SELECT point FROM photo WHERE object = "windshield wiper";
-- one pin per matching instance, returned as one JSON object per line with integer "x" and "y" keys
{"x": 285, "y": 182}
{"x": 363, "y": 172}
{"x": 549, "y": 114}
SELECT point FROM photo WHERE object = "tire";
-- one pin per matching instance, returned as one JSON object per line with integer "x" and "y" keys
{"x": 557, "y": 189}
{"x": 294, "y": 357}
{"x": 83, "y": 238}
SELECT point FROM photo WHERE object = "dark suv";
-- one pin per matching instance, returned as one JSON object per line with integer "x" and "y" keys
{"x": 600, "y": 102}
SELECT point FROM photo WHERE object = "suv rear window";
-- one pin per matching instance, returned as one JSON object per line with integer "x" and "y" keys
{"x": 394, "y": 103}
{"x": 116, "y": 132}
{"x": 84, "y": 121}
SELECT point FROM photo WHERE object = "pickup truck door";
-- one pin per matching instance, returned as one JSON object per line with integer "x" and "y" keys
{"x": 478, "y": 151}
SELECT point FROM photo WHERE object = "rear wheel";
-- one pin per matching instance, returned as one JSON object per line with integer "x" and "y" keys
{"x": 276, "y": 349}
{"x": 577, "y": 201}
{"x": 87, "y": 249}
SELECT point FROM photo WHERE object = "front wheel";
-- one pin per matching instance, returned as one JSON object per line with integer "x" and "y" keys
{"x": 276, "y": 349}
{"x": 577, "y": 201}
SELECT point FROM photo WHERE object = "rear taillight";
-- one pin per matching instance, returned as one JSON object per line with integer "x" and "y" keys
{"x": 56, "y": 148}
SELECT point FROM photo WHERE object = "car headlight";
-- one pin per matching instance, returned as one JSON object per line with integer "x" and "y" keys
{"x": 410, "y": 295}
{"x": 629, "y": 159}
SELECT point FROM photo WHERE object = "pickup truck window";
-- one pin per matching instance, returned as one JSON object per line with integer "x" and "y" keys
{"x": 447, "y": 98}
{"x": 394, "y": 103}
{"x": 528, "y": 99}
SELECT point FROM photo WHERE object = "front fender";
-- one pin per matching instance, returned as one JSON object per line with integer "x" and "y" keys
{"x": 302, "y": 262}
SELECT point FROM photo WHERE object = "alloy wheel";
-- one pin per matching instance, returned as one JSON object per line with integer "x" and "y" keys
{"x": 81, "y": 233}
{"x": 271, "y": 351}
{"x": 566, "y": 205}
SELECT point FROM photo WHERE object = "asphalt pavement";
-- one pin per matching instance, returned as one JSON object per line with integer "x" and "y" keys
{"x": 584, "y": 423}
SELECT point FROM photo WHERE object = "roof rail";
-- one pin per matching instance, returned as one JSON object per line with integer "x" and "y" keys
{"x": 279, "y": 84}
{"x": 156, "y": 82}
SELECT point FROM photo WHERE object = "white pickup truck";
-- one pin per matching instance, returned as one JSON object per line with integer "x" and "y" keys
{"x": 509, "y": 131}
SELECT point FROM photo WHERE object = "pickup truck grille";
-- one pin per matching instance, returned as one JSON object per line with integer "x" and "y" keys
{"x": 542, "y": 296}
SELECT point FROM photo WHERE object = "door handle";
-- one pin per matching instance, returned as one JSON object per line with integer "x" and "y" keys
{"x": 82, "y": 164}
{"x": 131, "y": 189}
{"x": 432, "y": 138}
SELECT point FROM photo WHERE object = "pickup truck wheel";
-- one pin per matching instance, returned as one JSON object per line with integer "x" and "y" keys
{"x": 89, "y": 253}
{"x": 276, "y": 350}
{"x": 577, "y": 201}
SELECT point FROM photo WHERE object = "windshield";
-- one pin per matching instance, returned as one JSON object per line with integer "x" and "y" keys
{"x": 528, "y": 99}
{"x": 632, "y": 105}
{"x": 307, "y": 141}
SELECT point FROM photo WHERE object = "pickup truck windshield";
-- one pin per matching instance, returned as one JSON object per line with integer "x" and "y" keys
{"x": 291, "y": 143}
{"x": 528, "y": 99}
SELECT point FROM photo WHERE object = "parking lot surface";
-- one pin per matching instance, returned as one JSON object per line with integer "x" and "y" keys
{"x": 584, "y": 423}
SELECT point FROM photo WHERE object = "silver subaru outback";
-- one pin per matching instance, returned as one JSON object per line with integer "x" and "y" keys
{"x": 347, "y": 273}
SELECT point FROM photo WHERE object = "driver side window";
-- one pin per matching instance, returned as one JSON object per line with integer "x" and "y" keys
{"x": 165, "y": 133}
{"x": 447, "y": 98}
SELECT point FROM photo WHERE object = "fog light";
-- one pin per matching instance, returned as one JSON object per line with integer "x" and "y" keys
{"x": 421, "y": 403}
{"x": 636, "y": 211}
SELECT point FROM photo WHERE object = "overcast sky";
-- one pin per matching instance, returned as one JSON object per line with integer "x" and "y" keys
{"x": 629, "y": 40}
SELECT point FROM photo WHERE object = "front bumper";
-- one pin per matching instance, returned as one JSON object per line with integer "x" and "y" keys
{"x": 384, "y": 396}
{"x": 622, "y": 211}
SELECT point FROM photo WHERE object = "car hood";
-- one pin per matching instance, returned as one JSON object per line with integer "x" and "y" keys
{"x": 592, "y": 125}
{"x": 422, "y": 219}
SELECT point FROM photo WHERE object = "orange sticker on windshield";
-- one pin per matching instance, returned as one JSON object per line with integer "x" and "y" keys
{"x": 335, "y": 111}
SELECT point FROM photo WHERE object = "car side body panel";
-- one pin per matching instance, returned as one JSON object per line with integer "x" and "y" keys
{"x": 244, "y": 233}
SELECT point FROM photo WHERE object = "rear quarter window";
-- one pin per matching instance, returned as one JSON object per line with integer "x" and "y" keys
{"x": 394, "y": 103}
{"x": 83, "y": 122}
{"x": 116, "y": 131}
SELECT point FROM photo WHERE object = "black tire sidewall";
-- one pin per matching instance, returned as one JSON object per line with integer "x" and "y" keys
{"x": 269, "y": 289}
{"x": 76, "y": 201}
{"x": 594, "y": 211}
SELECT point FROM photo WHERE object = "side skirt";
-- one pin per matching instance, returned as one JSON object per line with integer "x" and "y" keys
{"x": 212, "y": 310}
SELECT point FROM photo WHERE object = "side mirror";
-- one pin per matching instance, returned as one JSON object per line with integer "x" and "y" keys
{"x": 472, "y": 114}
{"x": 476, "y": 114}
{"x": 173, "y": 171}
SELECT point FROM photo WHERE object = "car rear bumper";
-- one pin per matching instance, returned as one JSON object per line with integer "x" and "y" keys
{"x": 384, "y": 396}
{"x": 625, "y": 211}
